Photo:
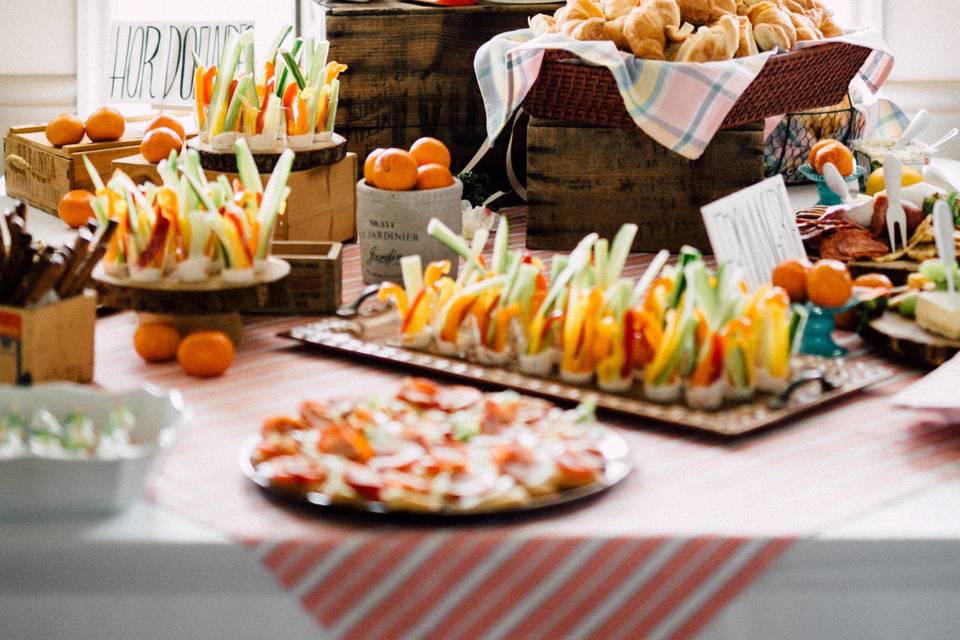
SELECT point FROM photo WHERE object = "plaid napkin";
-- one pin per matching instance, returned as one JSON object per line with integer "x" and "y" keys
{"x": 680, "y": 105}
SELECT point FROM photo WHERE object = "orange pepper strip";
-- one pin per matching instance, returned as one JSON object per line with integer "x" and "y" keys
{"x": 393, "y": 291}
{"x": 502, "y": 325}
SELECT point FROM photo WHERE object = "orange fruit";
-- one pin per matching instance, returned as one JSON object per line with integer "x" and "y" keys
{"x": 156, "y": 342}
{"x": 369, "y": 163}
{"x": 66, "y": 128}
{"x": 433, "y": 176}
{"x": 791, "y": 276}
{"x": 106, "y": 123}
{"x": 395, "y": 170}
{"x": 163, "y": 120}
{"x": 829, "y": 284}
{"x": 873, "y": 281}
{"x": 838, "y": 154}
{"x": 158, "y": 143}
{"x": 206, "y": 354}
{"x": 815, "y": 148}
{"x": 430, "y": 151}
{"x": 74, "y": 208}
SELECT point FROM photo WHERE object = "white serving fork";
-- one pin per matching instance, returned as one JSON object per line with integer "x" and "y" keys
{"x": 943, "y": 235}
{"x": 896, "y": 216}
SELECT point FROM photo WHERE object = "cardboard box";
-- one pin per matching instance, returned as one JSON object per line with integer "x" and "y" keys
{"x": 315, "y": 279}
{"x": 322, "y": 205}
{"x": 584, "y": 179}
{"x": 51, "y": 342}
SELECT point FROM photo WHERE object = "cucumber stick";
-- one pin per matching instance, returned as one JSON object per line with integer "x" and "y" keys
{"x": 273, "y": 198}
{"x": 247, "y": 168}
{"x": 278, "y": 41}
{"x": 500, "y": 245}
{"x": 225, "y": 73}
{"x": 332, "y": 103}
{"x": 249, "y": 61}
{"x": 282, "y": 78}
{"x": 291, "y": 64}
{"x": 619, "y": 251}
{"x": 92, "y": 172}
{"x": 412, "y": 269}
{"x": 233, "y": 112}
{"x": 317, "y": 64}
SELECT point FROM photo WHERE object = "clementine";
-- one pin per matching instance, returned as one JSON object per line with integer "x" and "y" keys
{"x": 811, "y": 157}
{"x": 156, "y": 341}
{"x": 829, "y": 284}
{"x": 430, "y": 151}
{"x": 158, "y": 143}
{"x": 106, "y": 123}
{"x": 873, "y": 281}
{"x": 838, "y": 154}
{"x": 395, "y": 170}
{"x": 791, "y": 276}
{"x": 433, "y": 176}
{"x": 369, "y": 163}
{"x": 205, "y": 354}
{"x": 66, "y": 128}
{"x": 75, "y": 207}
{"x": 163, "y": 120}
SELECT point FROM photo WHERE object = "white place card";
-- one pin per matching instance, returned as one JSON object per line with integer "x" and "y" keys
{"x": 755, "y": 229}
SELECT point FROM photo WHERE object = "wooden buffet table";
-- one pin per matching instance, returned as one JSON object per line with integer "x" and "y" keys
{"x": 843, "y": 524}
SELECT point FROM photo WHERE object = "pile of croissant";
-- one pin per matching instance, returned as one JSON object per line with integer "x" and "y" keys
{"x": 692, "y": 30}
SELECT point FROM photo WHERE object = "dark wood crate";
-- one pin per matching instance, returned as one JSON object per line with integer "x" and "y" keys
{"x": 411, "y": 71}
{"x": 585, "y": 179}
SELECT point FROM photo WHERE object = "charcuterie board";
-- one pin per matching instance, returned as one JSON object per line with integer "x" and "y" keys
{"x": 903, "y": 337}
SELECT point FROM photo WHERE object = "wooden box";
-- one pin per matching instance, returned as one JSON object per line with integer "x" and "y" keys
{"x": 322, "y": 203}
{"x": 313, "y": 286}
{"x": 411, "y": 71}
{"x": 50, "y": 342}
{"x": 584, "y": 179}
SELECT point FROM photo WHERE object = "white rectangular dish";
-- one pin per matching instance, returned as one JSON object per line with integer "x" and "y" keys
{"x": 37, "y": 485}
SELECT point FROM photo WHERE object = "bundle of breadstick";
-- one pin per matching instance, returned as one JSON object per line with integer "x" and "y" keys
{"x": 692, "y": 30}
{"x": 32, "y": 274}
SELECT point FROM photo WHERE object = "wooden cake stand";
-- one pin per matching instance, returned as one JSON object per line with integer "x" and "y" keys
{"x": 322, "y": 153}
{"x": 191, "y": 306}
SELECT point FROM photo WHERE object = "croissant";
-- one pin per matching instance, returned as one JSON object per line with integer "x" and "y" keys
{"x": 577, "y": 10}
{"x": 646, "y": 28}
{"x": 805, "y": 27}
{"x": 589, "y": 29}
{"x": 709, "y": 44}
{"x": 542, "y": 23}
{"x": 613, "y": 31}
{"x": 772, "y": 26}
{"x": 824, "y": 20}
{"x": 614, "y": 9}
{"x": 700, "y": 12}
{"x": 747, "y": 45}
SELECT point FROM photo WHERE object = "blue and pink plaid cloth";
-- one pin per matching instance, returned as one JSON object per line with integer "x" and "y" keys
{"x": 680, "y": 105}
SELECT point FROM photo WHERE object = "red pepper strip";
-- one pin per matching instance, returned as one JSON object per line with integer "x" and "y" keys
{"x": 557, "y": 317}
{"x": 289, "y": 95}
{"x": 208, "y": 80}
{"x": 268, "y": 73}
{"x": 238, "y": 223}
{"x": 412, "y": 311}
{"x": 231, "y": 90}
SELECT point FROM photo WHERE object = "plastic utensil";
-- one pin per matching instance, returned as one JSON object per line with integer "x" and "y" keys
{"x": 917, "y": 126}
{"x": 943, "y": 235}
{"x": 949, "y": 135}
{"x": 896, "y": 216}
{"x": 836, "y": 183}
{"x": 935, "y": 176}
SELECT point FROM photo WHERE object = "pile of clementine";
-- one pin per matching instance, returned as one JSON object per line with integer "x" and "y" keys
{"x": 425, "y": 166}
{"x": 163, "y": 135}
{"x": 825, "y": 284}
{"x": 205, "y": 354}
{"x": 103, "y": 125}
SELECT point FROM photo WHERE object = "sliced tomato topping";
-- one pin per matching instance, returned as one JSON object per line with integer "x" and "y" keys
{"x": 343, "y": 440}
{"x": 419, "y": 392}
{"x": 496, "y": 415}
{"x": 458, "y": 397}
{"x": 579, "y": 467}
{"x": 280, "y": 424}
{"x": 407, "y": 481}
{"x": 363, "y": 480}
{"x": 468, "y": 485}
{"x": 294, "y": 473}
{"x": 276, "y": 446}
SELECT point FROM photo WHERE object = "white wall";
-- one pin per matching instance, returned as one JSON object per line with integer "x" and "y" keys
{"x": 37, "y": 60}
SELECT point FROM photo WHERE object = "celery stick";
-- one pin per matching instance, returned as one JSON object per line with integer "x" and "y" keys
{"x": 277, "y": 41}
{"x": 619, "y": 251}
{"x": 653, "y": 270}
{"x": 687, "y": 255}
{"x": 412, "y": 269}
{"x": 516, "y": 259}
{"x": 312, "y": 98}
{"x": 498, "y": 261}
{"x": 442, "y": 233}
{"x": 99, "y": 205}
{"x": 282, "y": 78}
{"x": 233, "y": 111}
{"x": 225, "y": 186}
{"x": 318, "y": 64}
{"x": 92, "y": 172}
{"x": 524, "y": 286}
{"x": 601, "y": 253}
{"x": 225, "y": 73}
{"x": 473, "y": 260}
{"x": 271, "y": 119}
{"x": 294, "y": 68}
{"x": 247, "y": 168}
{"x": 332, "y": 101}
{"x": 306, "y": 58}
{"x": 273, "y": 199}
{"x": 200, "y": 191}
{"x": 578, "y": 259}
{"x": 251, "y": 94}
{"x": 557, "y": 264}
{"x": 248, "y": 58}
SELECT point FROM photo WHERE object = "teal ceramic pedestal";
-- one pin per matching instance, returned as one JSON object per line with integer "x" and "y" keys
{"x": 818, "y": 334}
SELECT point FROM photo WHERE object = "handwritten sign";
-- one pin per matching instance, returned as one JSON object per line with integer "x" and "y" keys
{"x": 755, "y": 229}
{"x": 151, "y": 61}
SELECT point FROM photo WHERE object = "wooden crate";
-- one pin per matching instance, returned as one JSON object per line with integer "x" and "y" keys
{"x": 49, "y": 342}
{"x": 313, "y": 286}
{"x": 322, "y": 204}
{"x": 584, "y": 179}
{"x": 411, "y": 71}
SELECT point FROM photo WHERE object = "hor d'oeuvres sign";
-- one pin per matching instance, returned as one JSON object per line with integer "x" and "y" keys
{"x": 151, "y": 61}
{"x": 754, "y": 228}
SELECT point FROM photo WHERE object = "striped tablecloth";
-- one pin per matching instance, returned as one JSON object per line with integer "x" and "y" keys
{"x": 658, "y": 556}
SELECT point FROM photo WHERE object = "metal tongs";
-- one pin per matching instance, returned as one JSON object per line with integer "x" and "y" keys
{"x": 896, "y": 216}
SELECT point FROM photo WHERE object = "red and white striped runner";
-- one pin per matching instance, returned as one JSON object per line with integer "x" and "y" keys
{"x": 658, "y": 556}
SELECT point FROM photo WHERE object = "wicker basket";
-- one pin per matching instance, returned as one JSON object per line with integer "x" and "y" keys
{"x": 571, "y": 91}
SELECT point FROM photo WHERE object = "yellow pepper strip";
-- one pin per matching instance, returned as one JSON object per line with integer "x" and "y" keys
{"x": 459, "y": 307}
{"x": 656, "y": 301}
{"x": 418, "y": 315}
{"x": 393, "y": 291}
{"x": 445, "y": 287}
{"x": 666, "y": 348}
{"x": 434, "y": 271}
{"x": 578, "y": 343}
{"x": 199, "y": 96}
{"x": 482, "y": 311}
{"x": 333, "y": 69}
{"x": 609, "y": 351}
{"x": 502, "y": 325}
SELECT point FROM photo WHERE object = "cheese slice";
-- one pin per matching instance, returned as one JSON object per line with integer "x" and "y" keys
{"x": 939, "y": 312}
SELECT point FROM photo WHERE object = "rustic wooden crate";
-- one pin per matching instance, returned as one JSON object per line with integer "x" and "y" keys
{"x": 322, "y": 204}
{"x": 411, "y": 71}
{"x": 584, "y": 179}
{"x": 313, "y": 286}
{"x": 49, "y": 342}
